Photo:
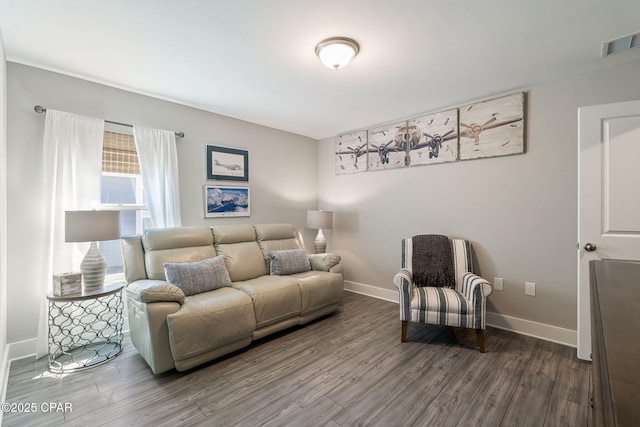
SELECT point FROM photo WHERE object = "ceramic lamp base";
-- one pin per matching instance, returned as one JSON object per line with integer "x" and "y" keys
{"x": 93, "y": 268}
{"x": 320, "y": 244}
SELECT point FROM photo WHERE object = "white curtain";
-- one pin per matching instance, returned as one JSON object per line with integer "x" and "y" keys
{"x": 72, "y": 154}
{"x": 158, "y": 159}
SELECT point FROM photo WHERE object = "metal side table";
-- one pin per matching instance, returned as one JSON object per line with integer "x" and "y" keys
{"x": 85, "y": 329}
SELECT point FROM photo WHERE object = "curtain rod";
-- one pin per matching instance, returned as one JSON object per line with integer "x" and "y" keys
{"x": 40, "y": 109}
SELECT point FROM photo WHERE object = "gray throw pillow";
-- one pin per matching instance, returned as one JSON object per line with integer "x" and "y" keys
{"x": 197, "y": 277}
{"x": 289, "y": 261}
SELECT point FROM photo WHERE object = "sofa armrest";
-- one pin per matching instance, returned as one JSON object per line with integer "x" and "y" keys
{"x": 474, "y": 287}
{"x": 324, "y": 262}
{"x": 403, "y": 280}
{"x": 147, "y": 291}
{"x": 336, "y": 268}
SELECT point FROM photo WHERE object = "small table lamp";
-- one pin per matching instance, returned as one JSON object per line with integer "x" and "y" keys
{"x": 92, "y": 226}
{"x": 320, "y": 220}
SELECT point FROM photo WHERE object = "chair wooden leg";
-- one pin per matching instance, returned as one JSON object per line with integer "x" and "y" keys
{"x": 405, "y": 324}
{"x": 480, "y": 338}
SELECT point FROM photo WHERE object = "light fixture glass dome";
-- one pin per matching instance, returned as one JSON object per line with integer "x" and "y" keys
{"x": 336, "y": 52}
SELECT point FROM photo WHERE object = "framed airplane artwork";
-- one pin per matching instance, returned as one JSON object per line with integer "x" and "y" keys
{"x": 227, "y": 164}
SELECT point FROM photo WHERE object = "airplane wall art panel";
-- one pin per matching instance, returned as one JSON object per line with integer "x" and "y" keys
{"x": 434, "y": 138}
{"x": 351, "y": 153}
{"x": 388, "y": 146}
{"x": 492, "y": 128}
{"x": 495, "y": 127}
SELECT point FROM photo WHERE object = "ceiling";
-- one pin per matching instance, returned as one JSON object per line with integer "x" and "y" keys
{"x": 254, "y": 60}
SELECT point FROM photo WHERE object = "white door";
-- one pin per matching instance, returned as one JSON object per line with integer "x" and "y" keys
{"x": 608, "y": 196}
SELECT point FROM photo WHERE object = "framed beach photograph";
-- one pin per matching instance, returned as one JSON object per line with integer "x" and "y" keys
{"x": 221, "y": 201}
{"x": 227, "y": 164}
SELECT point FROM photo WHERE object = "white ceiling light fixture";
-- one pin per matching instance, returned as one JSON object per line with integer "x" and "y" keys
{"x": 336, "y": 52}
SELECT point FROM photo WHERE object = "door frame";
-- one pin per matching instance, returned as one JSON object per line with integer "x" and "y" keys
{"x": 590, "y": 122}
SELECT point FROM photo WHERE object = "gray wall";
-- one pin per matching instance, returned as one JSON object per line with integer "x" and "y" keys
{"x": 519, "y": 211}
{"x": 274, "y": 156}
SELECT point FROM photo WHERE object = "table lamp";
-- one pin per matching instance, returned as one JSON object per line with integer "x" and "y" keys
{"x": 320, "y": 220}
{"x": 92, "y": 226}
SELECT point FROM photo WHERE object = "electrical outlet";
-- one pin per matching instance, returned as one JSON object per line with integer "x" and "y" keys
{"x": 530, "y": 289}
{"x": 497, "y": 284}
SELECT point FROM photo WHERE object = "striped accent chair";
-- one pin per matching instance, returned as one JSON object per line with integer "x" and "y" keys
{"x": 437, "y": 286}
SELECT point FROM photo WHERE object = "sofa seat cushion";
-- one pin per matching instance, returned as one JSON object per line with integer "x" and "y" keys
{"x": 210, "y": 320}
{"x": 319, "y": 289}
{"x": 442, "y": 306}
{"x": 275, "y": 298}
{"x": 439, "y": 300}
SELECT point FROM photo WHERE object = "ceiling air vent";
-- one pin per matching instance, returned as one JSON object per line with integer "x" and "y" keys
{"x": 620, "y": 45}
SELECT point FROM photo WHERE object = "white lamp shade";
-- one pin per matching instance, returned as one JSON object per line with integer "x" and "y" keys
{"x": 91, "y": 226}
{"x": 320, "y": 219}
{"x": 336, "y": 52}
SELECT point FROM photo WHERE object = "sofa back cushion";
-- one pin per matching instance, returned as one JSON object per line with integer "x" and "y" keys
{"x": 174, "y": 245}
{"x": 242, "y": 255}
{"x": 278, "y": 237}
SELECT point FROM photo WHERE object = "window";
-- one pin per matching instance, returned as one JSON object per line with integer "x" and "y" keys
{"x": 122, "y": 189}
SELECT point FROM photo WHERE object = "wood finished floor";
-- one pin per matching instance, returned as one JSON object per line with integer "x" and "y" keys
{"x": 346, "y": 369}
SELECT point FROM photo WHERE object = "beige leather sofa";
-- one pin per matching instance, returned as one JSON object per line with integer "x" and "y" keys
{"x": 170, "y": 330}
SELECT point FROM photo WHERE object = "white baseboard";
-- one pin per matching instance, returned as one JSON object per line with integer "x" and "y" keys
{"x": 27, "y": 348}
{"x": 543, "y": 331}
{"x": 530, "y": 328}
{"x": 4, "y": 376}
{"x": 11, "y": 352}
{"x": 22, "y": 349}
{"x": 371, "y": 291}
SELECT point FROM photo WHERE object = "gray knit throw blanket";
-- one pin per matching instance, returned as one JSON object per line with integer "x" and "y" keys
{"x": 432, "y": 261}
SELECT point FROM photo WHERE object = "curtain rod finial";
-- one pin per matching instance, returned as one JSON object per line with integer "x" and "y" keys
{"x": 39, "y": 109}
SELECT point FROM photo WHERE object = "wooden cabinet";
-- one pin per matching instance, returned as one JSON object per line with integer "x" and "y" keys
{"x": 615, "y": 336}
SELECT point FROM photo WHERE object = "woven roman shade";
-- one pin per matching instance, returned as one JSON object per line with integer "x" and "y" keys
{"x": 119, "y": 154}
